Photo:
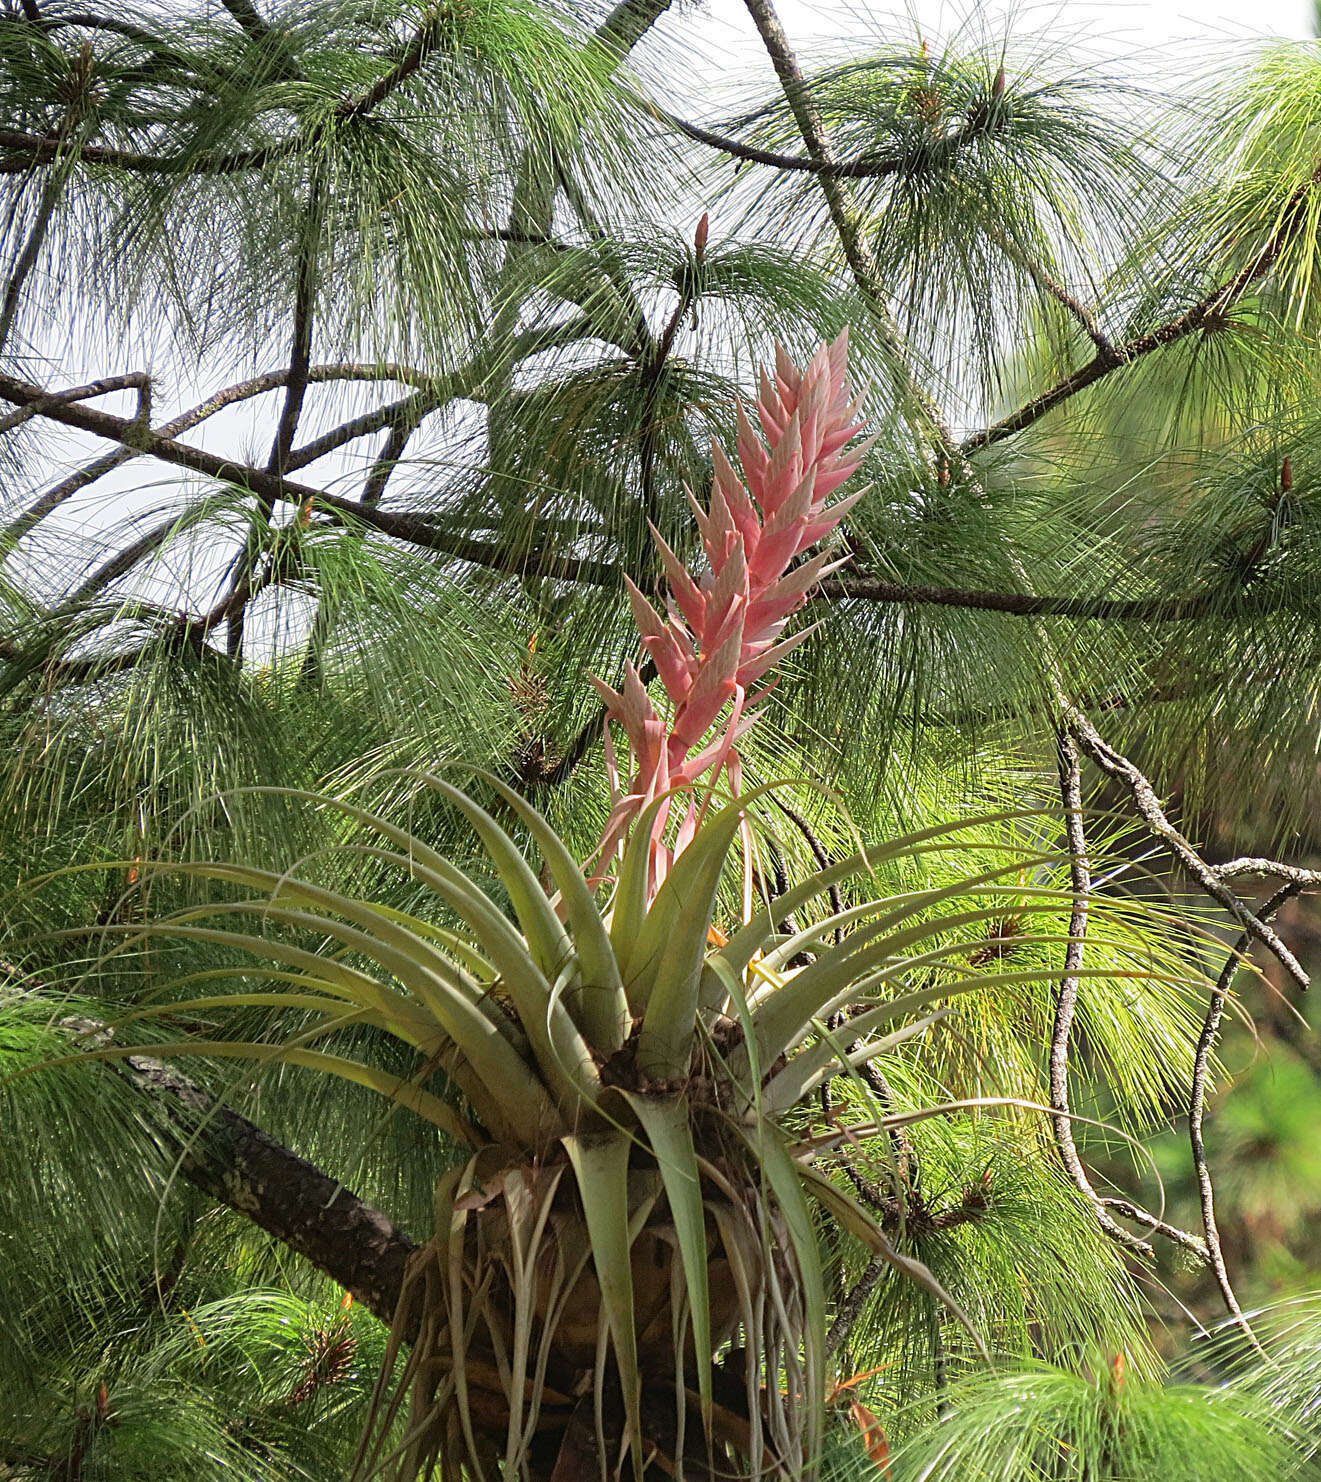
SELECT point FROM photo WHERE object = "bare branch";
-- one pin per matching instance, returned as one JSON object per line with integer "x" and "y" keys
{"x": 1148, "y": 805}
{"x": 415, "y": 529}
{"x": 137, "y": 381}
{"x": 1156, "y": 1226}
{"x": 1197, "y": 1106}
{"x": 1302, "y": 879}
{"x": 466, "y": 383}
{"x": 1066, "y": 997}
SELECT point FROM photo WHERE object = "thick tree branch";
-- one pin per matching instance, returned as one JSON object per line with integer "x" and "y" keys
{"x": 234, "y": 1162}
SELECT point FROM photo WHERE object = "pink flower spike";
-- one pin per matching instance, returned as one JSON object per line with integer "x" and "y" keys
{"x": 819, "y": 528}
{"x": 751, "y": 451}
{"x": 721, "y": 636}
{"x": 715, "y": 683}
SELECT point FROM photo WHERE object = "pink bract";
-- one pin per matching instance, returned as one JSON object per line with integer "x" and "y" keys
{"x": 721, "y": 634}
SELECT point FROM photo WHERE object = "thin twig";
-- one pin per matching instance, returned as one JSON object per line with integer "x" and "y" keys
{"x": 295, "y": 392}
{"x": 819, "y": 852}
{"x": 1079, "y": 311}
{"x": 869, "y": 167}
{"x": 1066, "y": 997}
{"x": 27, "y": 259}
{"x": 1197, "y": 1106}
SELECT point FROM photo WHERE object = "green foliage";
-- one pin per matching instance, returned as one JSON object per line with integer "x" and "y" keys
{"x": 1037, "y": 1424}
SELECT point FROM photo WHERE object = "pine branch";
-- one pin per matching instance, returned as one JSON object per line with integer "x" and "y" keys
{"x": 414, "y": 529}
{"x": 467, "y": 383}
{"x": 869, "y": 167}
{"x": 845, "y": 218}
{"x": 387, "y": 460}
{"x": 1208, "y": 312}
{"x": 653, "y": 377}
{"x": 865, "y": 588}
{"x": 407, "y": 416}
{"x": 850, "y": 1309}
{"x": 176, "y": 630}
{"x": 424, "y": 39}
{"x": 245, "y": 13}
{"x": 33, "y": 149}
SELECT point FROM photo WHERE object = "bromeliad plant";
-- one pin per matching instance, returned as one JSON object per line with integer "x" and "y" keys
{"x": 625, "y": 1264}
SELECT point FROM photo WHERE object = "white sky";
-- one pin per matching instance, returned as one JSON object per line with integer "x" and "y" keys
{"x": 1157, "y": 38}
